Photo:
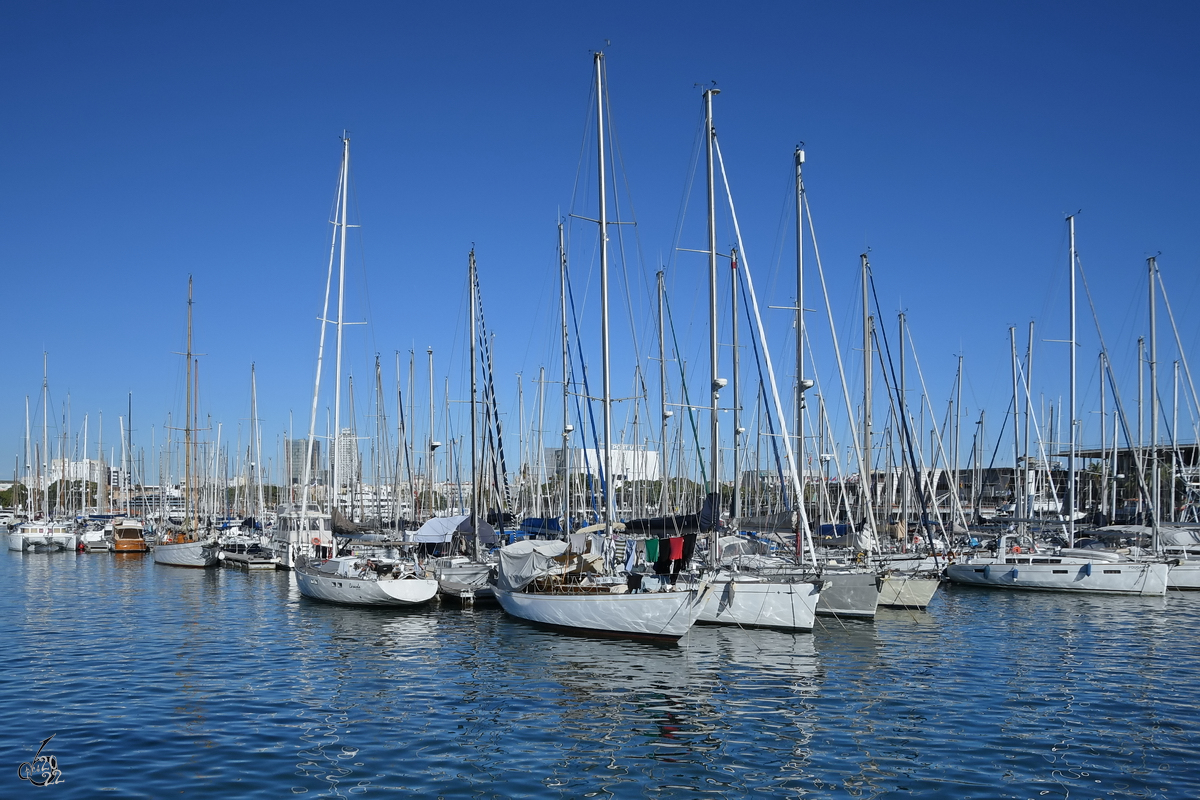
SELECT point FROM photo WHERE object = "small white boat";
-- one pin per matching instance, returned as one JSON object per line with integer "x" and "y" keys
{"x": 177, "y": 549}
{"x": 42, "y": 536}
{"x": 463, "y": 579}
{"x": 360, "y": 580}
{"x": 94, "y": 541}
{"x": 1069, "y": 570}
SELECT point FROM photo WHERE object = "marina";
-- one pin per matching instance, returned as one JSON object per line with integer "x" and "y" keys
{"x": 264, "y": 692}
{"x": 473, "y": 401}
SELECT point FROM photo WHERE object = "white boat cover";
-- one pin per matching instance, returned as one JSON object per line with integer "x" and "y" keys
{"x": 1178, "y": 537}
{"x": 523, "y": 562}
{"x": 439, "y": 530}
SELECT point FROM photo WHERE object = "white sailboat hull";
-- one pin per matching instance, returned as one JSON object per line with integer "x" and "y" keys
{"x": 334, "y": 588}
{"x": 848, "y": 594}
{"x": 1053, "y": 574}
{"x": 762, "y": 602}
{"x": 908, "y": 591}
{"x": 641, "y": 615}
{"x": 1184, "y": 575}
{"x": 199, "y": 554}
{"x": 467, "y": 582}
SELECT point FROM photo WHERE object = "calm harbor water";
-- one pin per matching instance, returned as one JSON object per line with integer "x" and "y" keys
{"x": 157, "y": 681}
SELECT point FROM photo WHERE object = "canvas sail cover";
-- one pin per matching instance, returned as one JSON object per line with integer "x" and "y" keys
{"x": 679, "y": 524}
{"x": 1178, "y": 537}
{"x": 780, "y": 522}
{"x": 344, "y": 527}
{"x": 525, "y": 561}
{"x": 440, "y": 530}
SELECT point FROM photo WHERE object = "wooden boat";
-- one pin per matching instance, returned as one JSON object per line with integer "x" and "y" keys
{"x": 129, "y": 536}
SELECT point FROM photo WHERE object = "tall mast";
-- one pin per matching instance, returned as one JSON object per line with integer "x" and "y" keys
{"x": 735, "y": 509}
{"x": 1104, "y": 510}
{"x": 83, "y": 483}
{"x": 337, "y": 390}
{"x": 129, "y": 452}
{"x": 29, "y": 484}
{"x": 1174, "y": 439}
{"x": 867, "y": 487}
{"x": 906, "y": 443}
{"x": 716, "y": 384}
{"x": 100, "y": 491}
{"x": 958, "y": 437}
{"x": 1071, "y": 403}
{"x": 800, "y": 387}
{"x": 603, "y": 219}
{"x": 566, "y": 369}
{"x": 662, "y": 389}
{"x": 414, "y": 493}
{"x": 540, "y": 473}
{"x": 1140, "y": 451}
{"x": 431, "y": 466}
{"x": 46, "y": 421}
{"x": 256, "y": 443}
{"x": 474, "y": 456}
{"x": 1018, "y": 499}
{"x": 1025, "y": 488}
{"x": 189, "y": 505}
{"x": 312, "y": 420}
{"x": 1155, "y": 487}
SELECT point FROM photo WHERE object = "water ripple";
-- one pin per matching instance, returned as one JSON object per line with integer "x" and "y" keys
{"x": 158, "y": 681}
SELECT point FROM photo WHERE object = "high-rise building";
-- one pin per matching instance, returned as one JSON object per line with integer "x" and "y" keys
{"x": 347, "y": 456}
{"x": 297, "y": 448}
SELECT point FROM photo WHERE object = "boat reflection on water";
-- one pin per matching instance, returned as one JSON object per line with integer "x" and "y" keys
{"x": 662, "y": 713}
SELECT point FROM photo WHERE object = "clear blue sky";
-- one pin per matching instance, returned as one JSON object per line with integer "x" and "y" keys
{"x": 146, "y": 141}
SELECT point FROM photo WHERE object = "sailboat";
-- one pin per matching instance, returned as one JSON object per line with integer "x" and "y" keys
{"x": 188, "y": 546}
{"x": 466, "y": 577}
{"x": 1070, "y": 569}
{"x": 546, "y": 582}
{"x": 44, "y": 534}
{"x": 388, "y": 577}
{"x": 748, "y": 590}
{"x": 128, "y": 534}
{"x": 246, "y": 546}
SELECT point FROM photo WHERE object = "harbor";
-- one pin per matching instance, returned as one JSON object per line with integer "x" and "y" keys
{"x": 262, "y": 691}
{"x": 476, "y": 402}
